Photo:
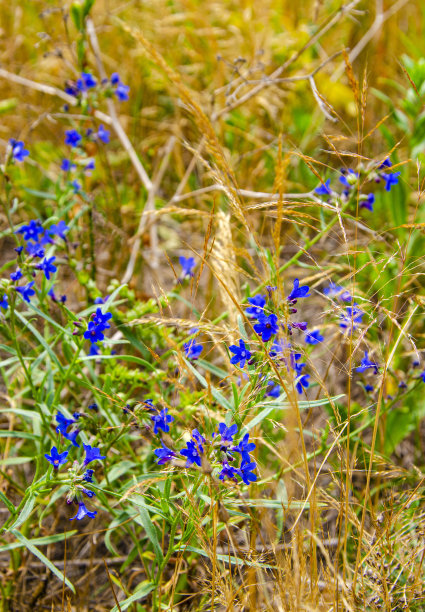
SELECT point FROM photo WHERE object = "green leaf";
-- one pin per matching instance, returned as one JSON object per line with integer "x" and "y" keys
{"x": 150, "y": 529}
{"x": 42, "y": 541}
{"x": 30, "y": 546}
{"x": 25, "y": 512}
{"x": 7, "y": 503}
{"x": 213, "y": 369}
{"x": 40, "y": 339}
{"x": 141, "y": 593}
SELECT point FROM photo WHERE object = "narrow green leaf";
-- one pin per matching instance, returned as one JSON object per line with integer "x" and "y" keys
{"x": 30, "y": 546}
{"x": 141, "y": 593}
{"x": 150, "y": 529}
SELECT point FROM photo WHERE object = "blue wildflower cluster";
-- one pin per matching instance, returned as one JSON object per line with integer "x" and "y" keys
{"x": 267, "y": 326}
{"x": 350, "y": 180}
{"x": 87, "y": 84}
{"x": 78, "y": 474}
{"x": 216, "y": 454}
{"x": 32, "y": 256}
{"x": 96, "y": 326}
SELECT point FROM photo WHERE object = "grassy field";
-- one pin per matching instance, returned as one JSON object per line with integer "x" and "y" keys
{"x": 211, "y": 305}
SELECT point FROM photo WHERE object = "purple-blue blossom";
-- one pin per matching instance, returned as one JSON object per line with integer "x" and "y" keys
{"x": 302, "y": 383}
{"x": 267, "y": 326}
{"x": 92, "y": 453}
{"x": 103, "y": 135}
{"x": 4, "y": 302}
{"x": 298, "y": 292}
{"x": 245, "y": 472}
{"x": 55, "y": 458}
{"x": 192, "y": 349}
{"x": 72, "y": 138}
{"x": 367, "y": 364}
{"x": 26, "y": 292}
{"x": 161, "y": 421}
{"x": 244, "y": 447}
{"x": 187, "y": 264}
{"x": 324, "y": 188}
{"x": 192, "y": 454}
{"x": 257, "y": 306}
{"x": 83, "y": 511}
{"x": 351, "y": 318}
{"x": 241, "y": 353}
{"x": 313, "y": 337}
{"x": 19, "y": 152}
{"x": 164, "y": 454}
{"x": 47, "y": 266}
{"x": 390, "y": 179}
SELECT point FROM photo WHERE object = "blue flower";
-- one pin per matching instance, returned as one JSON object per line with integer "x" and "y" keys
{"x": 27, "y": 291}
{"x": 192, "y": 454}
{"x": 366, "y": 364}
{"x": 369, "y": 202}
{"x": 72, "y": 437}
{"x": 4, "y": 302}
{"x": 274, "y": 390}
{"x": 63, "y": 423}
{"x": 352, "y": 176}
{"x": 333, "y": 290}
{"x": 15, "y": 276}
{"x": 19, "y": 153}
{"x": 88, "y": 475}
{"x": 368, "y": 388}
{"x": 94, "y": 333}
{"x": 313, "y": 337}
{"x": 58, "y": 230}
{"x": 35, "y": 250}
{"x": 298, "y": 292}
{"x": 245, "y": 472}
{"x": 82, "y": 512}
{"x": 390, "y": 179}
{"x": 88, "y": 80}
{"x": 199, "y": 439}
{"x": 266, "y": 327}
{"x": 31, "y": 231}
{"x": 302, "y": 382}
{"x": 241, "y": 353}
{"x": 92, "y": 453}
{"x": 324, "y": 188}
{"x": 385, "y": 164}
{"x": 47, "y": 266}
{"x": 187, "y": 264}
{"x": 55, "y": 458}
{"x": 257, "y": 306}
{"x": 192, "y": 349}
{"x": 101, "y": 320}
{"x": 228, "y": 472}
{"x": 352, "y": 318}
{"x": 72, "y": 138}
{"x": 244, "y": 447}
{"x": 227, "y": 433}
{"x": 422, "y": 375}
{"x": 93, "y": 406}
{"x": 115, "y": 78}
{"x": 19, "y": 249}
{"x": 94, "y": 349}
{"x": 161, "y": 421}
{"x": 122, "y": 92}
{"x": 87, "y": 492}
{"x": 67, "y": 165}
{"x": 75, "y": 186}
{"x": 164, "y": 454}
{"x": 103, "y": 135}
{"x": 90, "y": 165}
